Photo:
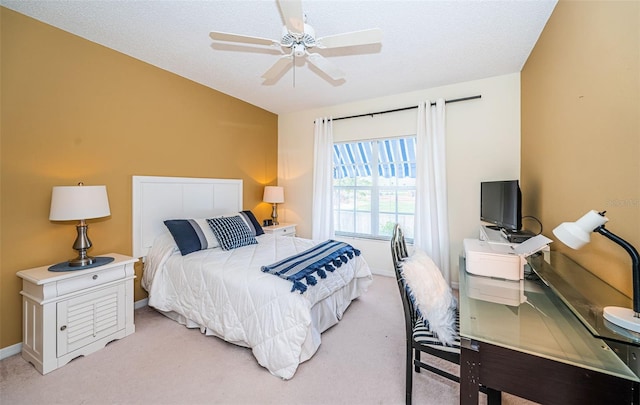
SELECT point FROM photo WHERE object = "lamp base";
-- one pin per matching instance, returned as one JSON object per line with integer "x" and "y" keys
{"x": 274, "y": 214}
{"x": 82, "y": 244}
{"x": 82, "y": 261}
{"x": 622, "y": 317}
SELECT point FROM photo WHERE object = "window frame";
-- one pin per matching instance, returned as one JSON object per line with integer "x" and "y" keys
{"x": 375, "y": 188}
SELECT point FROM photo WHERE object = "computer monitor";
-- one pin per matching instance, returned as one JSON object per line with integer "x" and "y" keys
{"x": 501, "y": 204}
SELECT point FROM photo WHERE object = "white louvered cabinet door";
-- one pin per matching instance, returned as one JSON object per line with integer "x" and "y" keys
{"x": 92, "y": 316}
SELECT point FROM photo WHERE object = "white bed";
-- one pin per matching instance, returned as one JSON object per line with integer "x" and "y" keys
{"x": 224, "y": 293}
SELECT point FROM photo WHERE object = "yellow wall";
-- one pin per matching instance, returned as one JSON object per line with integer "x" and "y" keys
{"x": 76, "y": 111}
{"x": 581, "y": 128}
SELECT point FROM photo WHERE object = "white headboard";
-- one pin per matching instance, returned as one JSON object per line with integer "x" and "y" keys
{"x": 156, "y": 199}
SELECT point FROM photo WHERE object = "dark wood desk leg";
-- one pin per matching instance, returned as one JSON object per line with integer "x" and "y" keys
{"x": 494, "y": 397}
{"x": 469, "y": 372}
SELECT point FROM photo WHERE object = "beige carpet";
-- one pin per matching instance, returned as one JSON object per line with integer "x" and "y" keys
{"x": 360, "y": 361}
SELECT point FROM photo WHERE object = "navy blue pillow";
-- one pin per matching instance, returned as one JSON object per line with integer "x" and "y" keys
{"x": 191, "y": 235}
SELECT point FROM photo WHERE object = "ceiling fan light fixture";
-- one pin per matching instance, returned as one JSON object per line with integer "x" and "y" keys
{"x": 299, "y": 50}
{"x": 308, "y": 37}
{"x": 287, "y": 39}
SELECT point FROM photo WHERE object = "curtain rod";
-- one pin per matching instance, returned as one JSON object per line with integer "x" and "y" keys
{"x": 404, "y": 108}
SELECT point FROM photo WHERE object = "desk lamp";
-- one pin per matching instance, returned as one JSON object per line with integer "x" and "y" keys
{"x": 79, "y": 202}
{"x": 274, "y": 195}
{"x": 576, "y": 234}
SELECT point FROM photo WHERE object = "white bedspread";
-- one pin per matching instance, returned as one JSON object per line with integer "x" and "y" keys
{"x": 227, "y": 295}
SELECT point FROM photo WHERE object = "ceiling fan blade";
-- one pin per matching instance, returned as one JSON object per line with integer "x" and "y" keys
{"x": 366, "y": 37}
{"x": 293, "y": 16}
{"x": 278, "y": 68}
{"x": 226, "y": 37}
{"x": 324, "y": 65}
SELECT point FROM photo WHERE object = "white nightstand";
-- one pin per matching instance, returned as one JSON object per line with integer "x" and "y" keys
{"x": 281, "y": 229}
{"x": 75, "y": 313}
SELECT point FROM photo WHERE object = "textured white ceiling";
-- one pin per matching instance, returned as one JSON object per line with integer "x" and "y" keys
{"x": 425, "y": 43}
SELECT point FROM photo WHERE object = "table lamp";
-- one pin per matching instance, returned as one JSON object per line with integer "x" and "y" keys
{"x": 576, "y": 234}
{"x": 274, "y": 195}
{"x": 69, "y": 203}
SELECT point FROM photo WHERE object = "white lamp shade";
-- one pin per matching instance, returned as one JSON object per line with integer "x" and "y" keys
{"x": 79, "y": 202}
{"x": 577, "y": 234}
{"x": 273, "y": 194}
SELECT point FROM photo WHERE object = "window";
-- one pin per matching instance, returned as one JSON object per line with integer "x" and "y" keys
{"x": 374, "y": 186}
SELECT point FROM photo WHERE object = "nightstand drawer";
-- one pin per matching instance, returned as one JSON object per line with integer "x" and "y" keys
{"x": 89, "y": 280}
{"x": 288, "y": 231}
{"x": 282, "y": 229}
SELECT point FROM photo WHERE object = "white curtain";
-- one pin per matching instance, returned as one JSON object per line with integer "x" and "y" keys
{"x": 322, "y": 208}
{"x": 431, "y": 223}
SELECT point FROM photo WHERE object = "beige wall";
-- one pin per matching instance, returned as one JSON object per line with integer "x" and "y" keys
{"x": 76, "y": 111}
{"x": 483, "y": 143}
{"x": 581, "y": 128}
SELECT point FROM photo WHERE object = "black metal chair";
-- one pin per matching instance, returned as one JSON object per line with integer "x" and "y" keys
{"x": 418, "y": 336}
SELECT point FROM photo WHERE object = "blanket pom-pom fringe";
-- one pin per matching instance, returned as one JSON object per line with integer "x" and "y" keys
{"x": 297, "y": 285}
{"x": 310, "y": 279}
{"x": 329, "y": 267}
{"x": 321, "y": 273}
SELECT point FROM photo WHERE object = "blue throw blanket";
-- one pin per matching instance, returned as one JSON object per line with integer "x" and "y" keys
{"x": 319, "y": 259}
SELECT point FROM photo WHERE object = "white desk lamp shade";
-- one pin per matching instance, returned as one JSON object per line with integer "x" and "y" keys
{"x": 577, "y": 234}
{"x": 79, "y": 202}
{"x": 273, "y": 194}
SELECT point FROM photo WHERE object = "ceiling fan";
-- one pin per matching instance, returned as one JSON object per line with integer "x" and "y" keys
{"x": 298, "y": 38}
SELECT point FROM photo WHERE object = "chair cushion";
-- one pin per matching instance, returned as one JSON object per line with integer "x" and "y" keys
{"x": 431, "y": 295}
{"x": 425, "y": 337}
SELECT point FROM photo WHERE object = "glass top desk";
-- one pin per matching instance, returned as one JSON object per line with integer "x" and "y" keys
{"x": 522, "y": 337}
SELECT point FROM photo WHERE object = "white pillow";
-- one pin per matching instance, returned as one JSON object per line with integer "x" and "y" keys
{"x": 163, "y": 246}
{"x": 432, "y": 295}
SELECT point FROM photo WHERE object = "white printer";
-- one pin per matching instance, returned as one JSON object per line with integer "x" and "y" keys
{"x": 504, "y": 261}
{"x": 506, "y": 292}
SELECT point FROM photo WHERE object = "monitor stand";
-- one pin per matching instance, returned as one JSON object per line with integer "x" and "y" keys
{"x": 519, "y": 236}
{"x": 497, "y": 235}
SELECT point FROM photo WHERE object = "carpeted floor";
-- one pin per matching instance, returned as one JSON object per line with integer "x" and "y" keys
{"x": 360, "y": 361}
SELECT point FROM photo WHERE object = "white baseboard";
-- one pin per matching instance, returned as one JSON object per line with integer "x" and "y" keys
{"x": 141, "y": 304}
{"x": 10, "y": 350}
{"x": 382, "y": 272}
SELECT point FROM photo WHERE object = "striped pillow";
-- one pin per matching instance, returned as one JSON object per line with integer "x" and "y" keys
{"x": 191, "y": 235}
{"x": 232, "y": 232}
{"x": 252, "y": 222}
